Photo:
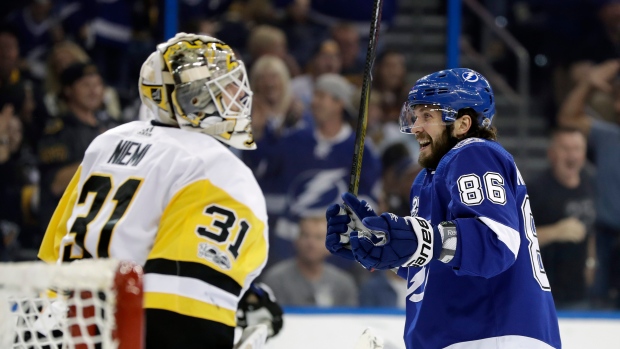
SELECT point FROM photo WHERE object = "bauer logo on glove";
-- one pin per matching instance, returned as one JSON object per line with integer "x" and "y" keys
{"x": 424, "y": 253}
{"x": 389, "y": 241}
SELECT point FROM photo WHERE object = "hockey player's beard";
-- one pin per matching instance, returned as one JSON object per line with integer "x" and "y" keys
{"x": 438, "y": 148}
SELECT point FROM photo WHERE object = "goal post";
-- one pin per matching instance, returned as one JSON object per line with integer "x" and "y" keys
{"x": 94, "y": 303}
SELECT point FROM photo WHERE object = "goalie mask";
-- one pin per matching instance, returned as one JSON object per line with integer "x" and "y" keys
{"x": 197, "y": 83}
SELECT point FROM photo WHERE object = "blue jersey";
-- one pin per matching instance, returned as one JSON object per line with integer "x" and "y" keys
{"x": 494, "y": 293}
{"x": 301, "y": 174}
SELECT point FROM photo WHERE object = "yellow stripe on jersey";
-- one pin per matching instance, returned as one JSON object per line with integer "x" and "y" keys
{"x": 189, "y": 307}
{"x": 204, "y": 224}
{"x": 57, "y": 228}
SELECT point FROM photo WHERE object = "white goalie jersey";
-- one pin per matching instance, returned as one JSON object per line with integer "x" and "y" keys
{"x": 177, "y": 202}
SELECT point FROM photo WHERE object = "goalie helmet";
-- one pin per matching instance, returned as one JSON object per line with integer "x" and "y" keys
{"x": 449, "y": 91}
{"x": 196, "y": 82}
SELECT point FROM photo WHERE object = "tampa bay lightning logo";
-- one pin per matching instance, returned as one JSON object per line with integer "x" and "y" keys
{"x": 470, "y": 76}
{"x": 415, "y": 203}
{"x": 416, "y": 284}
{"x": 315, "y": 190}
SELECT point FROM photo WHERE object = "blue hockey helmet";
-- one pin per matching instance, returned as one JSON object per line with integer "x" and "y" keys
{"x": 450, "y": 90}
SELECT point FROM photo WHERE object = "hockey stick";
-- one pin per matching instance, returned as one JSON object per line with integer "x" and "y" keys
{"x": 253, "y": 337}
{"x": 362, "y": 120}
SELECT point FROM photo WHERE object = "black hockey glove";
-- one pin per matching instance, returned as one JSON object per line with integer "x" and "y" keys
{"x": 258, "y": 305}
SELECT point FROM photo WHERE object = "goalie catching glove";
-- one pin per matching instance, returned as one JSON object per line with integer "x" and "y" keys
{"x": 344, "y": 219}
{"x": 258, "y": 306}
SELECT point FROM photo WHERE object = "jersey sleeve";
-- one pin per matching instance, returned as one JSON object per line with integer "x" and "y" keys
{"x": 57, "y": 228}
{"x": 481, "y": 184}
{"x": 210, "y": 246}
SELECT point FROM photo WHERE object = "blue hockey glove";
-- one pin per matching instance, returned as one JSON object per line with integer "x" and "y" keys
{"x": 390, "y": 241}
{"x": 337, "y": 239}
{"x": 342, "y": 220}
{"x": 357, "y": 211}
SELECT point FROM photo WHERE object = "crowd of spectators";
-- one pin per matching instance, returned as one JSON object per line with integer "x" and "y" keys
{"x": 69, "y": 68}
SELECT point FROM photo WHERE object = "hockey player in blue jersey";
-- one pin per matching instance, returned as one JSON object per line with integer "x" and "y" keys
{"x": 469, "y": 249}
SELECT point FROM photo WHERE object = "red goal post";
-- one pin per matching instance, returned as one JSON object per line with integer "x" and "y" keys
{"x": 69, "y": 305}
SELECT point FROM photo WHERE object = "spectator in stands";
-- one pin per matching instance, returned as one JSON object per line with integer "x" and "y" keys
{"x": 269, "y": 40}
{"x": 17, "y": 89}
{"x": 353, "y": 59}
{"x": 275, "y": 112}
{"x": 66, "y": 138}
{"x": 325, "y": 60}
{"x": 191, "y": 10}
{"x": 564, "y": 36}
{"x": 374, "y": 121}
{"x": 562, "y": 200}
{"x": 601, "y": 44}
{"x": 275, "y": 108}
{"x": 309, "y": 168}
{"x": 18, "y": 198}
{"x": 384, "y": 289}
{"x": 10, "y": 198}
{"x": 399, "y": 171}
{"x": 38, "y": 29}
{"x": 603, "y": 144}
{"x": 110, "y": 35}
{"x": 62, "y": 55}
{"x": 302, "y": 32}
{"x": 383, "y": 133}
{"x": 390, "y": 80}
{"x": 605, "y": 43}
{"x": 332, "y": 12}
{"x": 307, "y": 279}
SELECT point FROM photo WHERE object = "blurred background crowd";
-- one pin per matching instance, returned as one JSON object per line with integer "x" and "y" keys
{"x": 69, "y": 71}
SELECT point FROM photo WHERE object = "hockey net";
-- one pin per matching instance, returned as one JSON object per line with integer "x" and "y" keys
{"x": 84, "y": 304}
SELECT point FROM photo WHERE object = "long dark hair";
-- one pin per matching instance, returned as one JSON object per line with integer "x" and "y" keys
{"x": 476, "y": 130}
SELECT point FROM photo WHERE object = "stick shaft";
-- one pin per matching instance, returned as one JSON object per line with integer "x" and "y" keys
{"x": 362, "y": 120}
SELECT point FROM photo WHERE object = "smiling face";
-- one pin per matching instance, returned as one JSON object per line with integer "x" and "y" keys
{"x": 432, "y": 134}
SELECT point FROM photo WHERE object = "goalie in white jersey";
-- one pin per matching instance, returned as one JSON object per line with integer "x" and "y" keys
{"x": 178, "y": 202}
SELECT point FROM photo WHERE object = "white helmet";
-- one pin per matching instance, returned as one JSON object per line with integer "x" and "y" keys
{"x": 197, "y": 83}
